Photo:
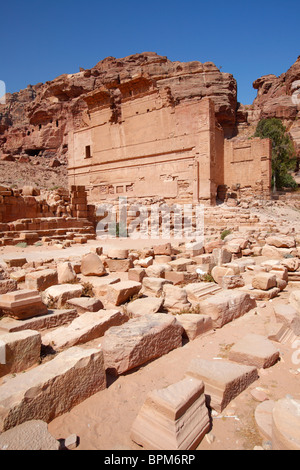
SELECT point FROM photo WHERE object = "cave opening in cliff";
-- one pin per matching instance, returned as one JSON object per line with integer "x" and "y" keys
{"x": 33, "y": 152}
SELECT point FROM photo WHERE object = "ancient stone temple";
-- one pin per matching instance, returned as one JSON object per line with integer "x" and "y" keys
{"x": 137, "y": 140}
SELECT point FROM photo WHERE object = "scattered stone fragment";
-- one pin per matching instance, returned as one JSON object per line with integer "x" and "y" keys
{"x": 22, "y": 304}
{"x": 58, "y": 296}
{"x": 100, "y": 284}
{"x": 254, "y": 350}
{"x": 85, "y": 304}
{"x": 65, "y": 273}
{"x": 140, "y": 340}
{"x": 15, "y": 262}
{"x": 181, "y": 264}
{"x": 262, "y": 295}
{"x": 174, "y": 418}
{"x": 218, "y": 272}
{"x": 286, "y": 424}
{"x": 8, "y": 285}
{"x": 200, "y": 290}
{"x": 19, "y": 275}
{"x": 263, "y": 418}
{"x": 144, "y": 306}
{"x": 119, "y": 265}
{"x": 88, "y": 326}
{"x": 136, "y": 274}
{"x": 71, "y": 442}
{"x": 53, "y": 388}
{"x": 264, "y": 281}
{"x": 22, "y": 350}
{"x": 294, "y": 299}
{"x": 232, "y": 282}
{"x": 259, "y": 395}
{"x": 41, "y": 280}
{"x": 194, "y": 324}
{"x": 226, "y": 306}
{"x": 52, "y": 319}
{"x": 289, "y": 316}
{"x": 223, "y": 380}
{"x": 117, "y": 253}
{"x": 91, "y": 265}
{"x": 120, "y": 292}
{"x": 154, "y": 286}
{"x": 175, "y": 298}
{"x": 165, "y": 249}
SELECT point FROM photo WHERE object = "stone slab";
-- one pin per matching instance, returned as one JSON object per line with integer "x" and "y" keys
{"x": 286, "y": 424}
{"x": 53, "y": 388}
{"x": 22, "y": 351}
{"x": 140, "y": 340}
{"x": 88, "y": 326}
{"x": 121, "y": 292}
{"x": 200, "y": 290}
{"x": 22, "y": 304}
{"x": 226, "y": 306}
{"x": 194, "y": 325}
{"x": 53, "y": 319}
{"x": 254, "y": 350}
{"x": 223, "y": 380}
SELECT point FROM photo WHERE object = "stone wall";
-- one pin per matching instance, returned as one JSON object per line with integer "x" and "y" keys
{"x": 138, "y": 142}
{"x": 155, "y": 150}
{"x": 27, "y": 216}
{"x": 247, "y": 165}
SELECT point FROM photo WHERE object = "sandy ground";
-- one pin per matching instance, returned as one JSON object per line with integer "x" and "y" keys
{"x": 103, "y": 422}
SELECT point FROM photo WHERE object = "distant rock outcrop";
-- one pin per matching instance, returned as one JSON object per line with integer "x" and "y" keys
{"x": 278, "y": 97}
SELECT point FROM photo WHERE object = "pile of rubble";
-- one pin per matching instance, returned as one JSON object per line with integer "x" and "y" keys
{"x": 142, "y": 305}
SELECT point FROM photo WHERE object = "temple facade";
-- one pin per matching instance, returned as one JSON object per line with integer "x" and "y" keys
{"x": 134, "y": 140}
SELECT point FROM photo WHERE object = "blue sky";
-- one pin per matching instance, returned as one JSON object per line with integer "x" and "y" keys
{"x": 44, "y": 39}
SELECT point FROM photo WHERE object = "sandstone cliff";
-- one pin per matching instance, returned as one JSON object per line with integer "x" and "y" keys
{"x": 36, "y": 121}
{"x": 277, "y": 97}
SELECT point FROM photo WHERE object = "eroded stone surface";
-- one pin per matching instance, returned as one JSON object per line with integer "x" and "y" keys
{"x": 140, "y": 340}
{"x": 51, "y": 389}
{"x": 32, "y": 435}
{"x": 254, "y": 350}
{"x": 88, "y": 326}
{"x": 223, "y": 380}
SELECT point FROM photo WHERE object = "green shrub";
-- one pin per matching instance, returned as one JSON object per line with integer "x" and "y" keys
{"x": 225, "y": 233}
{"x": 283, "y": 152}
{"x": 22, "y": 245}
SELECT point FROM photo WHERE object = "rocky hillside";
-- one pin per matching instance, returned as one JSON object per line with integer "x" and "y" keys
{"x": 277, "y": 97}
{"x": 35, "y": 122}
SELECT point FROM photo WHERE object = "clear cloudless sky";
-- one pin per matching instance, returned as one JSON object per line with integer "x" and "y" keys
{"x": 42, "y": 39}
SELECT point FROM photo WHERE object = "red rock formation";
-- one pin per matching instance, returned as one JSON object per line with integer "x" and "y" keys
{"x": 279, "y": 97}
{"x": 36, "y": 121}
